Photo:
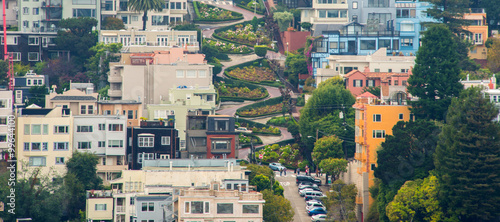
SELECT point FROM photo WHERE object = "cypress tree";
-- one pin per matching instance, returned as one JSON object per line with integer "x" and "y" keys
{"x": 467, "y": 159}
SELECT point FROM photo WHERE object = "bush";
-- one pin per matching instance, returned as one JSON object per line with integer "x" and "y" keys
{"x": 222, "y": 56}
{"x": 212, "y": 14}
{"x": 264, "y": 108}
{"x": 216, "y": 69}
{"x": 260, "y": 50}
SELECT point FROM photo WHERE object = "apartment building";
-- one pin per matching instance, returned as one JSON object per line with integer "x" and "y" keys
{"x": 379, "y": 61}
{"x": 6, "y": 118}
{"x": 392, "y": 85}
{"x": 105, "y": 136}
{"x": 149, "y": 76}
{"x": 78, "y": 102}
{"x": 173, "y": 12}
{"x": 44, "y": 140}
{"x": 99, "y": 206}
{"x": 11, "y": 11}
{"x": 161, "y": 39}
{"x": 478, "y": 33}
{"x": 326, "y": 12}
{"x": 374, "y": 120}
{"x": 23, "y": 84}
{"x": 182, "y": 101}
{"x": 154, "y": 208}
{"x": 152, "y": 140}
{"x": 130, "y": 108}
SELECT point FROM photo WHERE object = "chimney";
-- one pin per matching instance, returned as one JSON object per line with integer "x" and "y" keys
{"x": 410, "y": 70}
{"x": 367, "y": 69}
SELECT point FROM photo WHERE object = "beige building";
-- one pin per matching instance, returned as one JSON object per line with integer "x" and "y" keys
{"x": 151, "y": 40}
{"x": 79, "y": 102}
{"x": 147, "y": 77}
{"x": 326, "y": 12}
{"x": 129, "y": 108}
{"x": 181, "y": 101}
{"x": 379, "y": 61}
{"x": 44, "y": 140}
{"x": 6, "y": 118}
{"x": 99, "y": 205}
{"x": 10, "y": 12}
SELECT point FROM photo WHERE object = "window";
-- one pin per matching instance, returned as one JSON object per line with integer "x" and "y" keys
{"x": 84, "y": 129}
{"x": 26, "y": 129}
{"x": 220, "y": 145}
{"x": 222, "y": 125}
{"x": 16, "y": 56}
{"x": 372, "y": 166}
{"x": 478, "y": 38}
{"x": 210, "y": 98}
{"x": 191, "y": 74}
{"x": 36, "y": 129}
{"x": 115, "y": 143}
{"x": 378, "y": 133}
{"x": 33, "y": 56}
{"x": 165, "y": 140}
{"x": 406, "y": 42}
{"x": 404, "y": 83}
{"x": 400, "y": 116}
{"x": 26, "y": 11}
{"x": 83, "y": 109}
{"x": 196, "y": 207}
{"x": 396, "y": 82}
{"x": 377, "y": 118}
{"x": 132, "y": 200}
{"x": 26, "y": 24}
{"x": 370, "y": 82}
{"x": 389, "y": 70}
{"x": 102, "y": 126}
{"x": 37, "y": 161}
{"x": 378, "y": 3}
{"x": 45, "y": 129}
{"x": 146, "y": 141}
{"x": 224, "y": 208}
{"x": 377, "y": 70}
{"x": 207, "y": 207}
{"x": 135, "y": 18}
{"x": 90, "y": 109}
{"x": 33, "y": 40}
{"x": 327, "y": 1}
{"x": 79, "y": 12}
{"x": 180, "y": 74}
{"x": 101, "y": 144}
{"x": 84, "y": 145}
{"x": 334, "y": 45}
{"x": 60, "y": 129}
{"x": 35, "y": 11}
{"x": 202, "y": 73}
{"x": 59, "y": 160}
{"x": 26, "y": 146}
{"x": 250, "y": 209}
{"x": 368, "y": 45}
{"x": 384, "y": 43}
{"x": 333, "y": 13}
{"x": 187, "y": 206}
{"x": 84, "y": 2}
{"x": 115, "y": 127}
{"x": 354, "y": 5}
{"x": 100, "y": 207}
{"x": 357, "y": 83}
{"x": 35, "y": 147}
{"x": 130, "y": 114}
{"x": 382, "y": 18}
{"x": 407, "y": 27}
{"x": 60, "y": 146}
{"x": 3, "y": 120}
{"x": 406, "y": 13}
{"x": 151, "y": 206}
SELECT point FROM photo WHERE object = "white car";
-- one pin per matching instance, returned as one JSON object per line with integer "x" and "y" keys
{"x": 313, "y": 201}
{"x": 243, "y": 130}
{"x": 302, "y": 186}
{"x": 302, "y": 192}
{"x": 276, "y": 166}
{"x": 313, "y": 205}
{"x": 318, "y": 217}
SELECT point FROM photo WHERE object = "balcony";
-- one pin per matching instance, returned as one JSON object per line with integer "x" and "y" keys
{"x": 114, "y": 93}
{"x": 51, "y": 4}
{"x": 111, "y": 168}
{"x": 115, "y": 79}
{"x": 359, "y": 139}
{"x": 120, "y": 209}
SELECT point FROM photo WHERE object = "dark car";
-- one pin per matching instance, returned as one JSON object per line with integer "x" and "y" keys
{"x": 317, "y": 210}
{"x": 304, "y": 178}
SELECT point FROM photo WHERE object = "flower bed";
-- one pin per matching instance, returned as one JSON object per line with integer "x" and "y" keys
{"x": 245, "y": 34}
{"x": 252, "y": 74}
{"x": 247, "y": 139}
{"x": 258, "y": 128}
{"x": 281, "y": 121}
{"x": 263, "y": 108}
{"x": 241, "y": 92}
{"x": 248, "y": 5}
{"x": 209, "y": 13}
{"x": 227, "y": 47}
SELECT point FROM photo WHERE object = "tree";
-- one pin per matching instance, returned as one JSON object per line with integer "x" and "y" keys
{"x": 334, "y": 167}
{"x": 277, "y": 208}
{"x": 278, "y": 189}
{"x": 284, "y": 19}
{"x": 145, "y": 6}
{"x": 98, "y": 64}
{"x": 416, "y": 201}
{"x": 375, "y": 90}
{"x": 261, "y": 182}
{"x": 435, "y": 78}
{"x": 59, "y": 70}
{"x": 38, "y": 97}
{"x": 260, "y": 50}
{"x": 257, "y": 169}
{"x": 327, "y": 147}
{"x": 494, "y": 55}
{"x": 467, "y": 159}
{"x": 112, "y": 23}
{"x": 80, "y": 177}
{"x": 4, "y": 67}
{"x": 77, "y": 37}
{"x": 341, "y": 203}
{"x": 306, "y": 25}
{"x": 450, "y": 13}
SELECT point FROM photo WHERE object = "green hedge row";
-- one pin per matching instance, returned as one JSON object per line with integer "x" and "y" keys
{"x": 259, "y": 12}
{"x": 259, "y": 141}
{"x": 251, "y": 123}
{"x": 198, "y": 16}
{"x": 238, "y": 83}
{"x": 272, "y": 101}
{"x": 241, "y": 53}
{"x": 262, "y": 61}
{"x": 233, "y": 27}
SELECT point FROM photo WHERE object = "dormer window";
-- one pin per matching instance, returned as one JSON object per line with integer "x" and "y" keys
{"x": 221, "y": 125}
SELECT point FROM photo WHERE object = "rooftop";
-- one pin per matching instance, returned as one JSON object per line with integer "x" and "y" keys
{"x": 118, "y": 102}
{"x": 90, "y": 98}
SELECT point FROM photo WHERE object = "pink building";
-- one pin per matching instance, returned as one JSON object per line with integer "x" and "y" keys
{"x": 293, "y": 40}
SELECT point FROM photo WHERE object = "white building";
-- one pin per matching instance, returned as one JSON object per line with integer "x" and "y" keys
{"x": 151, "y": 40}
{"x": 5, "y": 112}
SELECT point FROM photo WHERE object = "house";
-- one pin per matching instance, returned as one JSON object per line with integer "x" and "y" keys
{"x": 478, "y": 33}
{"x": 149, "y": 76}
{"x": 130, "y": 108}
{"x": 152, "y": 140}
{"x": 87, "y": 88}
{"x": 374, "y": 120}
{"x": 79, "y": 102}
{"x": 99, "y": 206}
{"x": 105, "y": 136}
{"x": 379, "y": 61}
{"x": 392, "y": 85}
{"x": 211, "y": 136}
{"x": 325, "y": 12}
{"x": 7, "y": 120}
{"x": 44, "y": 140}
{"x": 151, "y": 40}
{"x": 294, "y": 40}
{"x": 485, "y": 84}
{"x": 181, "y": 101}
{"x": 154, "y": 208}
{"x": 23, "y": 84}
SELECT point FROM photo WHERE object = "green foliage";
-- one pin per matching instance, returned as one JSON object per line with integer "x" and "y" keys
{"x": 286, "y": 154}
{"x": 334, "y": 167}
{"x": 375, "y": 90}
{"x": 261, "y": 182}
{"x": 327, "y": 147}
{"x": 112, "y": 23}
{"x": 259, "y": 128}
{"x": 436, "y": 68}
{"x": 303, "y": 164}
{"x": 283, "y": 121}
{"x": 227, "y": 47}
{"x": 260, "y": 50}
{"x": 209, "y": 13}
{"x": 341, "y": 203}
{"x": 245, "y": 33}
{"x": 4, "y": 67}
{"x": 20, "y": 69}
{"x": 77, "y": 37}
{"x": 278, "y": 189}
{"x": 494, "y": 55}
{"x": 145, "y": 6}
{"x": 103, "y": 93}
{"x": 284, "y": 19}
{"x": 277, "y": 208}
{"x": 259, "y": 170}
{"x": 230, "y": 89}
{"x": 38, "y": 95}
{"x": 468, "y": 158}
{"x": 450, "y": 13}
{"x": 416, "y": 201}
{"x": 39, "y": 67}
{"x": 98, "y": 64}
{"x": 263, "y": 108}
{"x": 306, "y": 25}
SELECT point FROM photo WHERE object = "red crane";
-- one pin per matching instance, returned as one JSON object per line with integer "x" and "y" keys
{"x": 6, "y": 56}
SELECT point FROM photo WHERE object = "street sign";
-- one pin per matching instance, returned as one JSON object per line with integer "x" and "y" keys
{"x": 261, "y": 156}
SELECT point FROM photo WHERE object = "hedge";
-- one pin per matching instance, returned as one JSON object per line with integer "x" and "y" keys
{"x": 238, "y": 83}
{"x": 258, "y": 12}
{"x": 198, "y": 19}
{"x": 259, "y": 141}
{"x": 233, "y": 27}
{"x": 241, "y": 53}
{"x": 272, "y": 101}
{"x": 260, "y": 50}
{"x": 244, "y": 3}
{"x": 251, "y": 124}
{"x": 264, "y": 63}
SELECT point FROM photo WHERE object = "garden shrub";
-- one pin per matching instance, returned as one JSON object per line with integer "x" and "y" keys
{"x": 209, "y": 13}
{"x": 264, "y": 108}
{"x": 260, "y": 50}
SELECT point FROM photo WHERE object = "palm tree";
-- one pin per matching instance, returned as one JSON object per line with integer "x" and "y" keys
{"x": 145, "y": 5}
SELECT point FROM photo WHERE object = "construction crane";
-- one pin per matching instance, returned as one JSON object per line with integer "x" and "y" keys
{"x": 6, "y": 56}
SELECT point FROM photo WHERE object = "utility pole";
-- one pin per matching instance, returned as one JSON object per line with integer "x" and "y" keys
{"x": 343, "y": 117}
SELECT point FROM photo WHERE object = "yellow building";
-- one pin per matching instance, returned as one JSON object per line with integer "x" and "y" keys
{"x": 44, "y": 139}
{"x": 479, "y": 33}
{"x": 373, "y": 122}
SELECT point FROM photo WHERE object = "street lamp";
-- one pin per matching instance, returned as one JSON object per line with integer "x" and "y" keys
{"x": 287, "y": 48}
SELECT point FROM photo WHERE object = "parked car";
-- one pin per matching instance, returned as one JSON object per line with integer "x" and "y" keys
{"x": 276, "y": 166}
{"x": 313, "y": 201}
{"x": 305, "y": 184}
{"x": 243, "y": 130}
{"x": 314, "y": 195}
{"x": 317, "y": 210}
{"x": 311, "y": 205}
{"x": 303, "y": 178}
{"x": 314, "y": 187}
{"x": 318, "y": 217}
{"x": 303, "y": 192}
